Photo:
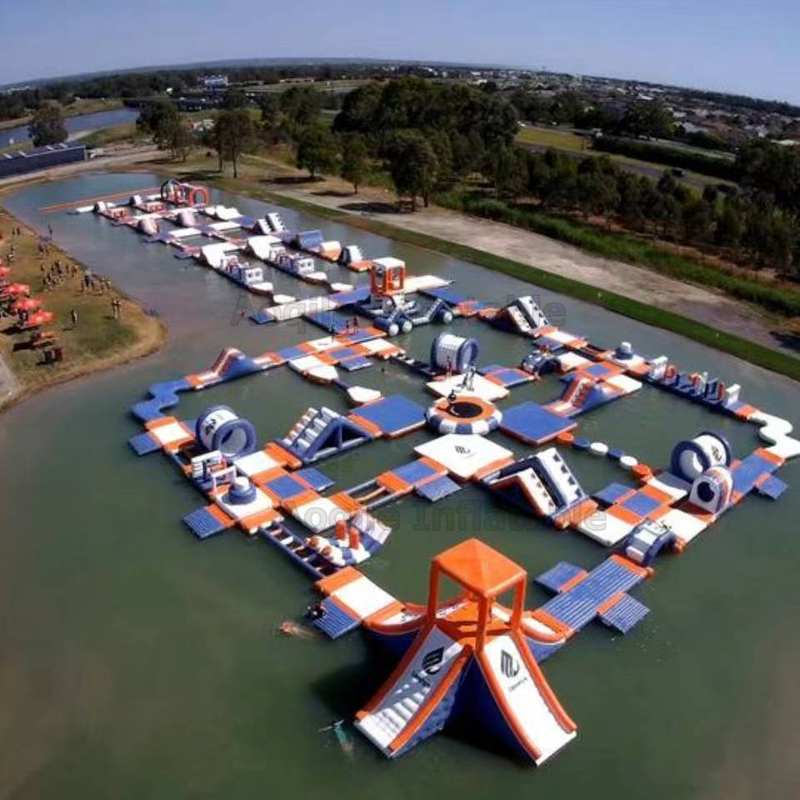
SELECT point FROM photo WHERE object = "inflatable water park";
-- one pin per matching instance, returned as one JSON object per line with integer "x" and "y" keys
{"x": 477, "y": 654}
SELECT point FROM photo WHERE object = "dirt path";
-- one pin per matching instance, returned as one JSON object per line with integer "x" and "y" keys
{"x": 640, "y": 284}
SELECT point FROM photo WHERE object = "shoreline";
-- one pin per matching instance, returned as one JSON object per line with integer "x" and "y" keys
{"x": 149, "y": 339}
{"x": 723, "y": 339}
{"x": 770, "y": 358}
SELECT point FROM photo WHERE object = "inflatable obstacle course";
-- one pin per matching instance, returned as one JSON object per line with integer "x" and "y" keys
{"x": 271, "y": 490}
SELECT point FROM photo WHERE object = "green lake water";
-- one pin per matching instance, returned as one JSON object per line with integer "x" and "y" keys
{"x": 137, "y": 662}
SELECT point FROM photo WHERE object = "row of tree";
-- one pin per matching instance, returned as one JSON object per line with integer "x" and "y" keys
{"x": 747, "y": 225}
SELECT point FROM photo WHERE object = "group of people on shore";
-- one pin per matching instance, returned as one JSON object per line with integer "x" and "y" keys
{"x": 57, "y": 274}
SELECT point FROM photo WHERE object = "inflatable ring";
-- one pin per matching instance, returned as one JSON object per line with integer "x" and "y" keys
{"x": 199, "y": 196}
{"x": 466, "y": 414}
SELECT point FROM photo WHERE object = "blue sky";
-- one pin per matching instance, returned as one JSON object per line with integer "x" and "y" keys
{"x": 730, "y": 45}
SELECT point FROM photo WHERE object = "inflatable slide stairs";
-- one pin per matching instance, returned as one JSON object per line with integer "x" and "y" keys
{"x": 306, "y": 430}
{"x": 417, "y": 700}
{"x": 518, "y": 318}
{"x": 275, "y": 222}
{"x": 534, "y": 315}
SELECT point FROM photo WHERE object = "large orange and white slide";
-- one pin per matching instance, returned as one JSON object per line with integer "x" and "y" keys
{"x": 526, "y": 700}
{"x": 403, "y": 708}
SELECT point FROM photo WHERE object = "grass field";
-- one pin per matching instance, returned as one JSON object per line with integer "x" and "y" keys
{"x": 553, "y": 137}
{"x": 540, "y": 136}
{"x": 97, "y": 342}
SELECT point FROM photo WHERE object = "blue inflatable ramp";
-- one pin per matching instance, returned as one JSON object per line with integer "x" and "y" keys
{"x": 286, "y": 487}
{"x": 203, "y": 524}
{"x": 262, "y": 317}
{"x": 438, "y": 489}
{"x": 394, "y": 415}
{"x": 624, "y": 615}
{"x": 772, "y": 487}
{"x": 356, "y": 363}
{"x": 350, "y": 296}
{"x": 144, "y": 443}
{"x": 507, "y": 377}
{"x": 753, "y": 469}
{"x": 611, "y": 493}
{"x": 559, "y": 575}
{"x": 447, "y": 294}
{"x": 316, "y": 479}
{"x": 329, "y": 321}
{"x": 582, "y": 603}
{"x": 533, "y": 424}
{"x": 335, "y": 621}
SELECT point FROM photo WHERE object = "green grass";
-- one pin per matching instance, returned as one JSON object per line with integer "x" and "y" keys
{"x": 116, "y": 133}
{"x": 98, "y": 340}
{"x": 650, "y": 315}
{"x": 553, "y": 137}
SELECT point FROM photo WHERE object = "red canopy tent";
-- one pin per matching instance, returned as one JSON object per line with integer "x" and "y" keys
{"x": 15, "y": 290}
{"x": 27, "y": 304}
{"x": 37, "y": 319}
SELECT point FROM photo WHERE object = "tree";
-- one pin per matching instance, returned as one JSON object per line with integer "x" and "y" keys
{"x": 413, "y": 166}
{"x": 316, "y": 149}
{"x": 234, "y": 131}
{"x": 509, "y": 171}
{"x": 354, "y": 159}
{"x": 159, "y": 119}
{"x": 696, "y": 220}
{"x": 647, "y": 118}
{"x": 730, "y": 227}
{"x": 178, "y": 139}
{"x": 47, "y": 126}
{"x": 301, "y": 106}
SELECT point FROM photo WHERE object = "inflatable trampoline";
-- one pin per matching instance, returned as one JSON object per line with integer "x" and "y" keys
{"x": 463, "y": 414}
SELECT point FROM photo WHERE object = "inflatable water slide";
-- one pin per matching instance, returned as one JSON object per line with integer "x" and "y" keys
{"x": 471, "y": 658}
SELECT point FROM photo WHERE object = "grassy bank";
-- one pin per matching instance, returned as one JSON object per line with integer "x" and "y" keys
{"x": 622, "y": 247}
{"x": 97, "y": 342}
{"x": 651, "y": 315}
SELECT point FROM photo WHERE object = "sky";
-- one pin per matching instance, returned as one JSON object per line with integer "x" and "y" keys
{"x": 736, "y": 46}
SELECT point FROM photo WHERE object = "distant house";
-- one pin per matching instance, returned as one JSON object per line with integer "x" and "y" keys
{"x": 215, "y": 83}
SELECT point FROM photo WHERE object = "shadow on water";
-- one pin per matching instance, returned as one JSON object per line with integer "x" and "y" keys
{"x": 345, "y": 690}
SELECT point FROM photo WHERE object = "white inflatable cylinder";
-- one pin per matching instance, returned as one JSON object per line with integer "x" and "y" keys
{"x": 452, "y": 352}
{"x": 220, "y": 428}
{"x": 692, "y": 458}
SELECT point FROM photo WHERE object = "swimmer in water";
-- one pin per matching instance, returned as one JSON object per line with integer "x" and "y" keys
{"x": 339, "y": 730}
{"x": 289, "y": 628}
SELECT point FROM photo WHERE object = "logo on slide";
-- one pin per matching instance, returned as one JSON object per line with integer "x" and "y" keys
{"x": 509, "y": 665}
{"x": 432, "y": 661}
